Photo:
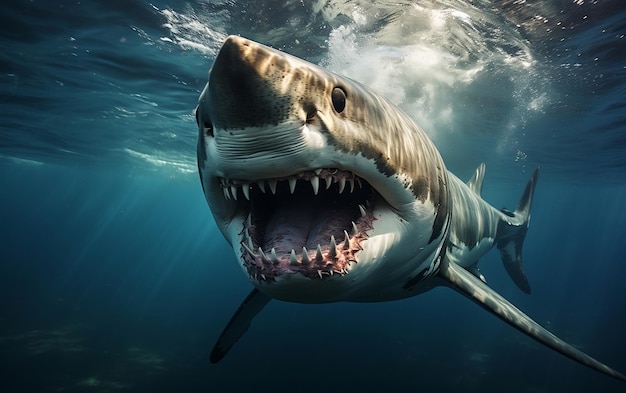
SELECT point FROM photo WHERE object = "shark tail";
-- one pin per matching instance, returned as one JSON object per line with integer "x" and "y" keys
{"x": 511, "y": 233}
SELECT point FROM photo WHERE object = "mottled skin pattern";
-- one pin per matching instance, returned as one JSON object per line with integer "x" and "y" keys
{"x": 280, "y": 87}
{"x": 266, "y": 115}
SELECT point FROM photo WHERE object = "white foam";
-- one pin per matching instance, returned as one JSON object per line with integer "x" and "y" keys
{"x": 161, "y": 160}
{"x": 433, "y": 62}
{"x": 189, "y": 33}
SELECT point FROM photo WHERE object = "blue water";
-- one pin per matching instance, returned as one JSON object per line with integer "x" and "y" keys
{"x": 114, "y": 278}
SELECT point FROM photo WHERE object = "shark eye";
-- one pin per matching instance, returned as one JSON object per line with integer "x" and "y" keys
{"x": 339, "y": 99}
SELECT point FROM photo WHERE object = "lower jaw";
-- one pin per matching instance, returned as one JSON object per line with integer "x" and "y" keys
{"x": 332, "y": 258}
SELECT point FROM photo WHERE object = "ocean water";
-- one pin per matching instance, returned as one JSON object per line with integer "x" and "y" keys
{"x": 114, "y": 277}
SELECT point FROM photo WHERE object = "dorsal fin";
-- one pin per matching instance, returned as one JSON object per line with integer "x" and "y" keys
{"x": 476, "y": 182}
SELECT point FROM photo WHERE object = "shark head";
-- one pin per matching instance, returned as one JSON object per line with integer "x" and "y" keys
{"x": 324, "y": 190}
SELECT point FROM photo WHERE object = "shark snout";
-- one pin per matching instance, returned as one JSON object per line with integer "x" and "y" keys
{"x": 254, "y": 114}
{"x": 242, "y": 89}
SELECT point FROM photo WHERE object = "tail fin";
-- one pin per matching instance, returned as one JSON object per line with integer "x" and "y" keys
{"x": 511, "y": 233}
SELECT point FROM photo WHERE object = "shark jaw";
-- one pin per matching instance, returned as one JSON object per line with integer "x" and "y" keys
{"x": 318, "y": 234}
{"x": 298, "y": 213}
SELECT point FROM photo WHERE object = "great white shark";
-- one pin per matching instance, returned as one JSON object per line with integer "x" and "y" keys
{"x": 327, "y": 192}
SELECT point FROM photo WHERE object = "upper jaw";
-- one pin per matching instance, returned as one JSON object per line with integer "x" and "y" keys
{"x": 320, "y": 166}
{"x": 319, "y": 179}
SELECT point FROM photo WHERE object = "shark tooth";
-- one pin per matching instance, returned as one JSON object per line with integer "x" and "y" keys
{"x": 355, "y": 230}
{"x": 272, "y": 184}
{"x": 315, "y": 182}
{"x": 293, "y": 259}
{"x": 292, "y": 185}
{"x": 226, "y": 192}
{"x": 264, "y": 257}
{"x": 333, "y": 248}
{"x": 248, "y": 249}
{"x": 233, "y": 192}
{"x": 318, "y": 256}
{"x": 346, "y": 242}
{"x": 261, "y": 184}
{"x": 342, "y": 184}
{"x": 319, "y": 272}
{"x": 246, "y": 190}
{"x": 273, "y": 256}
{"x": 318, "y": 171}
{"x": 358, "y": 181}
{"x": 351, "y": 181}
{"x": 329, "y": 181}
{"x": 305, "y": 256}
{"x": 362, "y": 210}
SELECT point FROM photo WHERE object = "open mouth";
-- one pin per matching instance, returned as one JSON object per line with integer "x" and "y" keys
{"x": 312, "y": 223}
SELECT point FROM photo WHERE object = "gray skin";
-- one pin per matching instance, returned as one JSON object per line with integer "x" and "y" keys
{"x": 268, "y": 119}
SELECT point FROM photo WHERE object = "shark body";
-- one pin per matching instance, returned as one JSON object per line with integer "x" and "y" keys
{"x": 327, "y": 192}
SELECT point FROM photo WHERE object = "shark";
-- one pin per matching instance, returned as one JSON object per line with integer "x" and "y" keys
{"x": 327, "y": 192}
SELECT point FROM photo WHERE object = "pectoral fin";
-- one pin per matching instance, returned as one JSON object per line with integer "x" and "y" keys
{"x": 239, "y": 323}
{"x": 465, "y": 283}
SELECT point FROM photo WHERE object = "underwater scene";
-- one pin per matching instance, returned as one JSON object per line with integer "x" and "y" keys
{"x": 116, "y": 277}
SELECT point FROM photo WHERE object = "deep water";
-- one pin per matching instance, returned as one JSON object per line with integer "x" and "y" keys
{"x": 114, "y": 277}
